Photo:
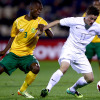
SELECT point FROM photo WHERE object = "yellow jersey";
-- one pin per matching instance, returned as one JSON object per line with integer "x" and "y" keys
{"x": 24, "y": 32}
{"x": 96, "y": 38}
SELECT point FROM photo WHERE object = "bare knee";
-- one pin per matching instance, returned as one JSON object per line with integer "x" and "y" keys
{"x": 35, "y": 68}
{"x": 64, "y": 66}
{"x": 89, "y": 79}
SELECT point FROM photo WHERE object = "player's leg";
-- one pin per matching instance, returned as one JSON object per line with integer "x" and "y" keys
{"x": 57, "y": 75}
{"x": 8, "y": 63}
{"x": 64, "y": 62}
{"x": 32, "y": 67}
{"x": 83, "y": 81}
{"x": 55, "y": 78}
{"x": 86, "y": 70}
{"x": 31, "y": 75}
{"x": 86, "y": 79}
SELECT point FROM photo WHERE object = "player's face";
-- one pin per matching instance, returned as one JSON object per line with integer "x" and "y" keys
{"x": 90, "y": 19}
{"x": 97, "y": 4}
{"x": 36, "y": 10}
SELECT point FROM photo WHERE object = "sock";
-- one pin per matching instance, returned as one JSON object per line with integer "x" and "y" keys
{"x": 80, "y": 83}
{"x": 54, "y": 79}
{"x": 30, "y": 77}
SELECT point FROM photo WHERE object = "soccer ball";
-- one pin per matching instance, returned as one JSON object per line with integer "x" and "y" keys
{"x": 98, "y": 86}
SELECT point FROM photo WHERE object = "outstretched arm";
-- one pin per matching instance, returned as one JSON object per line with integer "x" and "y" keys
{"x": 51, "y": 24}
{"x": 46, "y": 28}
{"x": 40, "y": 31}
{"x": 7, "y": 47}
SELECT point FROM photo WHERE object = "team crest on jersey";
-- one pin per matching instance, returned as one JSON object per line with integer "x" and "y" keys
{"x": 21, "y": 30}
{"x": 33, "y": 30}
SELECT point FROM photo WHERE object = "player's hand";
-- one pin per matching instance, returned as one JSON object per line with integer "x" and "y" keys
{"x": 40, "y": 29}
{"x": 2, "y": 53}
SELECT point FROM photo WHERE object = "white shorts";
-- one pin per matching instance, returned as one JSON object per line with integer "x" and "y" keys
{"x": 77, "y": 60}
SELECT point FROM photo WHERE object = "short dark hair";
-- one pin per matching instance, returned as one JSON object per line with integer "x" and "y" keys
{"x": 92, "y": 11}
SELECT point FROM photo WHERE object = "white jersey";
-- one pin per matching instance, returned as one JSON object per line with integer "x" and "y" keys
{"x": 74, "y": 48}
{"x": 79, "y": 36}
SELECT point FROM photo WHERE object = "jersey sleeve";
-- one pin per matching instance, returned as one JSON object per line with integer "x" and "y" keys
{"x": 70, "y": 21}
{"x": 14, "y": 30}
{"x": 43, "y": 22}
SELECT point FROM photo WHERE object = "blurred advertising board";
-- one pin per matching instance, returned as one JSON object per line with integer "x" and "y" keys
{"x": 46, "y": 49}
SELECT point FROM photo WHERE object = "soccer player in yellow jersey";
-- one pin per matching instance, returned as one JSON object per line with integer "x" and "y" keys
{"x": 22, "y": 43}
{"x": 94, "y": 47}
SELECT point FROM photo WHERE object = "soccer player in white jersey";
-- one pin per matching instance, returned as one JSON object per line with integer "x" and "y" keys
{"x": 82, "y": 31}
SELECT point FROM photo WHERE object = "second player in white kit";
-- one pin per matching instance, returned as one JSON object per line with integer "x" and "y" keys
{"x": 73, "y": 50}
{"x": 82, "y": 31}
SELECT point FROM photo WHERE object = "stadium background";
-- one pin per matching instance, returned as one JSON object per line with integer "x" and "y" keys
{"x": 47, "y": 49}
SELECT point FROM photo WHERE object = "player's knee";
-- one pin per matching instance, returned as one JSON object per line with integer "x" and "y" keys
{"x": 35, "y": 68}
{"x": 90, "y": 79}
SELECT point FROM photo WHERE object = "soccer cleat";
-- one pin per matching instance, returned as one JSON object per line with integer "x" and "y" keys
{"x": 76, "y": 94}
{"x": 44, "y": 92}
{"x": 25, "y": 94}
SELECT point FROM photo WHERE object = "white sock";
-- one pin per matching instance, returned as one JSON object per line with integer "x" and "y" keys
{"x": 80, "y": 83}
{"x": 54, "y": 79}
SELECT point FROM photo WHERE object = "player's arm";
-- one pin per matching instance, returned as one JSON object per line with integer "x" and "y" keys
{"x": 40, "y": 31}
{"x": 7, "y": 47}
{"x": 47, "y": 30}
{"x": 51, "y": 24}
{"x": 49, "y": 33}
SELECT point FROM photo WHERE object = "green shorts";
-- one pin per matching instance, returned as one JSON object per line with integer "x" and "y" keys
{"x": 11, "y": 62}
{"x": 92, "y": 49}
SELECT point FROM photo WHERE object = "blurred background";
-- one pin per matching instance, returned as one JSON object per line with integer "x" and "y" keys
{"x": 53, "y": 9}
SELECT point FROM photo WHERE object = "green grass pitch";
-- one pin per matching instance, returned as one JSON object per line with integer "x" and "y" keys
{"x": 10, "y": 84}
